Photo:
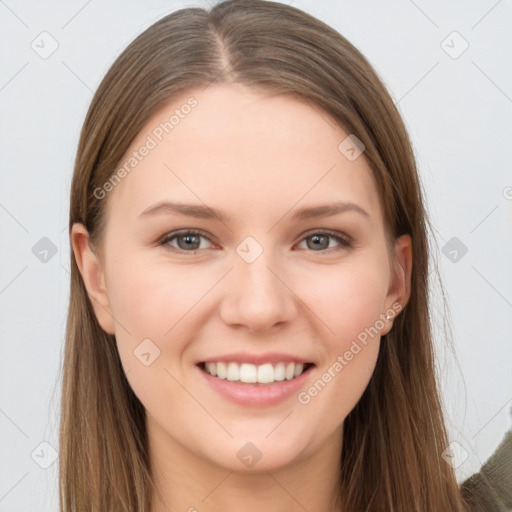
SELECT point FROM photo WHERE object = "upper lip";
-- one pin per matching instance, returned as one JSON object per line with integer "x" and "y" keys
{"x": 256, "y": 359}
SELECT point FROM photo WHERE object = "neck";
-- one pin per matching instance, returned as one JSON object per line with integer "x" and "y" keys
{"x": 185, "y": 482}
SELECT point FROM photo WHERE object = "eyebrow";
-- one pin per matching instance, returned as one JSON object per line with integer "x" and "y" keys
{"x": 206, "y": 212}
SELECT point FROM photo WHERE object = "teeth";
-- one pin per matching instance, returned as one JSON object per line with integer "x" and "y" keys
{"x": 251, "y": 373}
{"x": 211, "y": 368}
{"x": 248, "y": 372}
{"x": 233, "y": 372}
{"x": 265, "y": 373}
{"x": 221, "y": 370}
{"x": 279, "y": 372}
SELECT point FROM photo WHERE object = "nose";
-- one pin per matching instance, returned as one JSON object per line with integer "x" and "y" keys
{"x": 257, "y": 295}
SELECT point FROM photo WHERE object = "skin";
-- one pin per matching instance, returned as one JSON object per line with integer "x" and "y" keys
{"x": 257, "y": 157}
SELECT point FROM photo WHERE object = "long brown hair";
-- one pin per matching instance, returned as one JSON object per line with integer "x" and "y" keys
{"x": 394, "y": 437}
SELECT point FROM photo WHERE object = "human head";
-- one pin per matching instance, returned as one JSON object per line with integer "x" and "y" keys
{"x": 241, "y": 44}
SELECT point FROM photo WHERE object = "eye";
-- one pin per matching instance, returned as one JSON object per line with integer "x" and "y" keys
{"x": 188, "y": 240}
{"x": 320, "y": 240}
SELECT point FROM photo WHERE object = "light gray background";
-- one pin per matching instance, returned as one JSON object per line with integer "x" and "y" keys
{"x": 458, "y": 111}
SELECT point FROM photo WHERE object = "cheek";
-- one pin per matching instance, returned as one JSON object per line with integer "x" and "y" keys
{"x": 339, "y": 385}
{"x": 151, "y": 298}
{"x": 154, "y": 304}
{"x": 348, "y": 299}
{"x": 151, "y": 304}
{"x": 349, "y": 302}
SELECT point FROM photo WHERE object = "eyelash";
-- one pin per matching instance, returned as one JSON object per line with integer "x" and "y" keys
{"x": 344, "y": 240}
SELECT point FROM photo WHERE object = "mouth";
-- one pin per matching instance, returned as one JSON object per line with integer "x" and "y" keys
{"x": 260, "y": 375}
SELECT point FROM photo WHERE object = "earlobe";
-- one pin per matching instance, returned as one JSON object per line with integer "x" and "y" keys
{"x": 92, "y": 272}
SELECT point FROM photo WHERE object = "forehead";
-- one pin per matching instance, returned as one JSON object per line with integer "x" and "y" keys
{"x": 233, "y": 148}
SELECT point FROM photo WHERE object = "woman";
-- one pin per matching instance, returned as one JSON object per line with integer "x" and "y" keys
{"x": 248, "y": 325}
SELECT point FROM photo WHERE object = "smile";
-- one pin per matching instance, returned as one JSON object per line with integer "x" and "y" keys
{"x": 248, "y": 373}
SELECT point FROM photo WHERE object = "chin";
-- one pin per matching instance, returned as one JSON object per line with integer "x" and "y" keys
{"x": 257, "y": 456}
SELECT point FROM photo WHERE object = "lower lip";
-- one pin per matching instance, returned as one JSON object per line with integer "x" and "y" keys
{"x": 257, "y": 395}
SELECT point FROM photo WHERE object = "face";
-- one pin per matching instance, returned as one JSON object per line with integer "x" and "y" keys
{"x": 252, "y": 273}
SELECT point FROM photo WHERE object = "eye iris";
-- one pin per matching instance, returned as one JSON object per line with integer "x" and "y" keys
{"x": 192, "y": 241}
{"x": 316, "y": 238}
{"x": 195, "y": 241}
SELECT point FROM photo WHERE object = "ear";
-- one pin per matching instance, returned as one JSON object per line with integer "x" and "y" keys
{"x": 400, "y": 287}
{"x": 93, "y": 275}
